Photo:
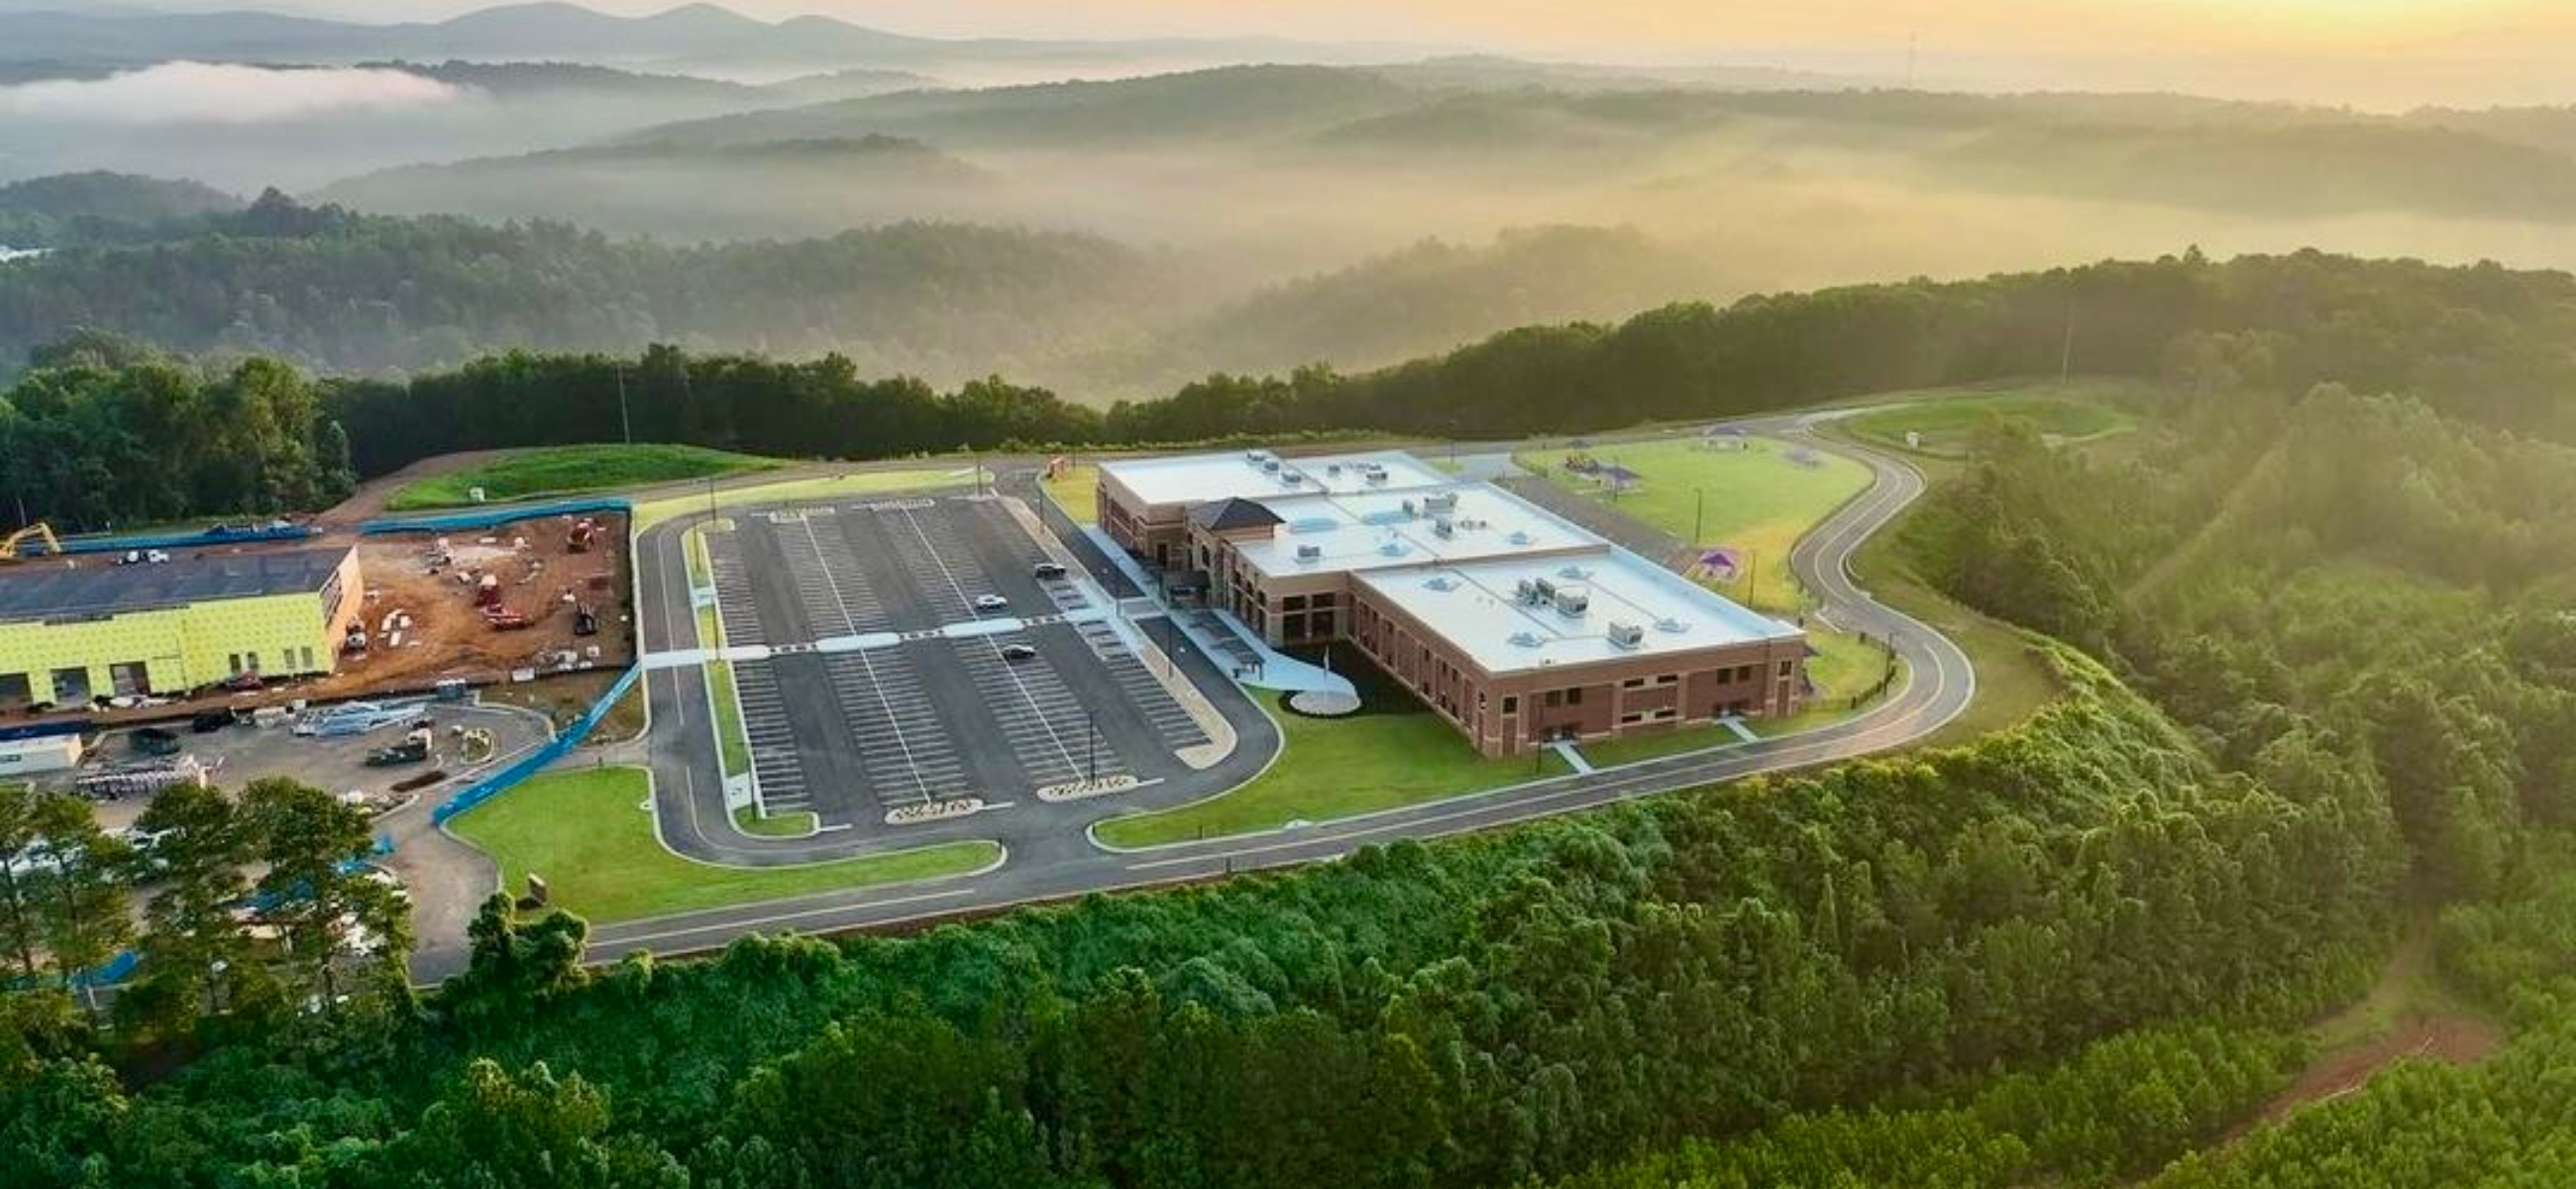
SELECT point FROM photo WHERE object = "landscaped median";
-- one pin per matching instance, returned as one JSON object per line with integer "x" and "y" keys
{"x": 590, "y": 834}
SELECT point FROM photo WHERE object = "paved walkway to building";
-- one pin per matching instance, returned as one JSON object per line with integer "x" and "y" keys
{"x": 1248, "y": 659}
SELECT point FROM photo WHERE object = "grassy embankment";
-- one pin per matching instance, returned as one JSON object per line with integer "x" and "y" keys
{"x": 2013, "y": 680}
{"x": 1948, "y": 420}
{"x": 590, "y": 834}
{"x": 573, "y": 470}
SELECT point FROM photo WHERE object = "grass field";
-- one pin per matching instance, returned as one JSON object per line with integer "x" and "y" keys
{"x": 1074, "y": 489}
{"x": 571, "y": 470}
{"x": 1755, "y": 500}
{"x": 652, "y": 512}
{"x": 1949, "y": 419}
{"x": 591, "y": 836}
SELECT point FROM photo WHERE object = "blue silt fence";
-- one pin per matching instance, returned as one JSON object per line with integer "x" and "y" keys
{"x": 495, "y": 517}
{"x": 536, "y": 761}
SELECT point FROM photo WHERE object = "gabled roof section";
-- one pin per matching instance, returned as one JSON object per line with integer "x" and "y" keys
{"x": 1234, "y": 514}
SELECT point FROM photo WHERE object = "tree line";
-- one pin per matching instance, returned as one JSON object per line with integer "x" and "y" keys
{"x": 2480, "y": 343}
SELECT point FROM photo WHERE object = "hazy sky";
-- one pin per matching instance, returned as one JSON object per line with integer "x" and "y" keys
{"x": 2210, "y": 26}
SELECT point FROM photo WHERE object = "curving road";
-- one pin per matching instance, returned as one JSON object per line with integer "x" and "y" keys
{"x": 1061, "y": 860}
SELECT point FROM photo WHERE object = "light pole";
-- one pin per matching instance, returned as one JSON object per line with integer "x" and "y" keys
{"x": 1699, "y": 516}
{"x": 1091, "y": 752}
{"x": 624, "y": 426}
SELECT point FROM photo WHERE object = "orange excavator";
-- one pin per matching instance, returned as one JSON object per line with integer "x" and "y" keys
{"x": 14, "y": 546}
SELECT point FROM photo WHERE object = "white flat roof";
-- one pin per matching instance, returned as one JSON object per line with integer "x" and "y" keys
{"x": 1370, "y": 530}
{"x": 1477, "y": 606}
{"x": 1260, "y": 474}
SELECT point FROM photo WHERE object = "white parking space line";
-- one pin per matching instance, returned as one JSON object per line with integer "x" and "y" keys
{"x": 778, "y": 776}
{"x": 734, "y": 606}
{"x": 908, "y": 751}
{"x": 1172, "y": 723}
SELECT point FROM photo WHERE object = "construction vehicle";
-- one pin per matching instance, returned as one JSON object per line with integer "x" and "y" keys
{"x": 355, "y": 644}
{"x": 502, "y": 619}
{"x": 14, "y": 546}
{"x": 585, "y": 622}
{"x": 414, "y": 749}
{"x": 583, "y": 531}
{"x": 487, "y": 592}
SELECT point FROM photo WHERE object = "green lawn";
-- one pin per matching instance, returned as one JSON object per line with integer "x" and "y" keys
{"x": 1395, "y": 752}
{"x": 1075, "y": 490}
{"x": 1949, "y": 419}
{"x": 826, "y": 487}
{"x": 1754, "y": 500}
{"x": 590, "y": 834}
{"x": 778, "y": 825}
{"x": 570, "y": 470}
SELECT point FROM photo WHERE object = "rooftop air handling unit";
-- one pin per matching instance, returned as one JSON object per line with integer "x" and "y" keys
{"x": 1627, "y": 635}
{"x": 1573, "y": 601}
{"x": 1445, "y": 527}
{"x": 1440, "y": 504}
{"x": 1310, "y": 554}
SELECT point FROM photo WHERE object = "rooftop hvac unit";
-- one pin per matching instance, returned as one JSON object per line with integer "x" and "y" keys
{"x": 1525, "y": 639}
{"x": 1292, "y": 479}
{"x": 1445, "y": 527}
{"x": 1411, "y": 511}
{"x": 1527, "y": 591}
{"x": 1442, "y": 583}
{"x": 1670, "y": 626}
{"x": 1332, "y": 468}
{"x": 1310, "y": 553}
{"x": 1377, "y": 474}
{"x": 1573, "y": 573}
{"x": 1392, "y": 549}
{"x": 1446, "y": 501}
{"x": 1573, "y": 601}
{"x": 1254, "y": 456}
{"x": 1627, "y": 635}
{"x": 1520, "y": 537}
{"x": 1270, "y": 465}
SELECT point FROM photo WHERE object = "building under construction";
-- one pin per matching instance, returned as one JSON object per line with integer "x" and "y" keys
{"x": 70, "y": 635}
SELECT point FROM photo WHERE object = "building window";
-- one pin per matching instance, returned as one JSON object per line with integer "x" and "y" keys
{"x": 1786, "y": 667}
{"x": 1511, "y": 704}
{"x": 1327, "y": 600}
{"x": 1556, "y": 697}
{"x": 1633, "y": 683}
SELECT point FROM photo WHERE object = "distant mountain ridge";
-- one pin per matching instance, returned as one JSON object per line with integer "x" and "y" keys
{"x": 552, "y": 29}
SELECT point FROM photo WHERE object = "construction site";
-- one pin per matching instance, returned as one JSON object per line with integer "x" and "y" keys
{"x": 313, "y": 636}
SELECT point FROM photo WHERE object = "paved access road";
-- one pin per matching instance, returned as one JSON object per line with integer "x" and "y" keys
{"x": 1049, "y": 862}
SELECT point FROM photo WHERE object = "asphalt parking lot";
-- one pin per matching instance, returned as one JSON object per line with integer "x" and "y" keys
{"x": 894, "y": 680}
{"x": 244, "y": 754}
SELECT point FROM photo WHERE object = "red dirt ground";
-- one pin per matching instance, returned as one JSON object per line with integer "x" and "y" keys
{"x": 2455, "y": 1040}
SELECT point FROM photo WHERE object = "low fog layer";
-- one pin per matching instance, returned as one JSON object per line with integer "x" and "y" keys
{"x": 186, "y": 93}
